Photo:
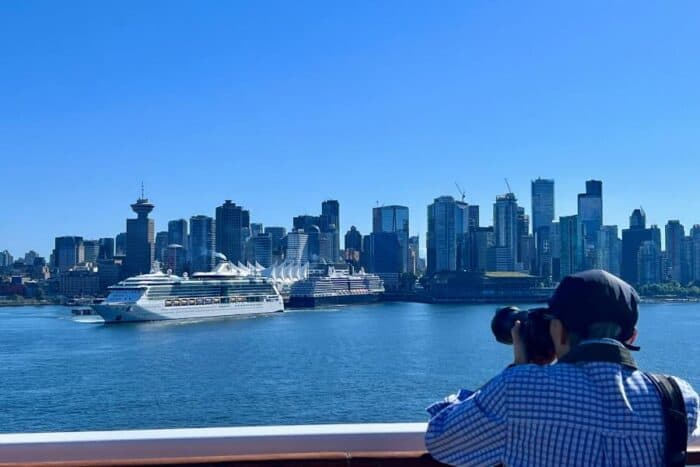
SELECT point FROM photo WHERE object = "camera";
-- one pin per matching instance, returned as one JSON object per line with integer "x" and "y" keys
{"x": 534, "y": 330}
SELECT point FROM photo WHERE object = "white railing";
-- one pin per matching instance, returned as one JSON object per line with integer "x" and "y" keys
{"x": 116, "y": 447}
{"x": 124, "y": 446}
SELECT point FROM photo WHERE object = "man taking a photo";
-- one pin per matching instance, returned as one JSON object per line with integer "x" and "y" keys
{"x": 594, "y": 407}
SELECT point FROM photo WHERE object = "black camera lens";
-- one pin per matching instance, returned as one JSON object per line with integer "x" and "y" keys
{"x": 504, "y": 320}
{"x": 534, "y": 330}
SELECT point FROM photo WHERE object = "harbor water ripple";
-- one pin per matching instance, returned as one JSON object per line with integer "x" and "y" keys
{"x": 365, "y": 363}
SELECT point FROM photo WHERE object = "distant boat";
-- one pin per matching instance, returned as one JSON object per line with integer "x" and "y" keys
{"x": 82, "y": 310}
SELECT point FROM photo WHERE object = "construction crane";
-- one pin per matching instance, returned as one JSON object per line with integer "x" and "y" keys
{"x": 461, "y": 191}
{"x": 510, "y": 192}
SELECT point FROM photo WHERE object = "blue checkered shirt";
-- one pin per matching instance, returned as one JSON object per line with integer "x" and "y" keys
{"x": 589, "y": 414}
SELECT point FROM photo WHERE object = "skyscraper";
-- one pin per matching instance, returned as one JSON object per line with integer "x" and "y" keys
{"x": 448, "y": 234}
{"x": 259, "y": 249}
{"x": 482, "y": 241}
{"x": 305, "y": 221}
{"x": 505, "y": 229}
{"x": 695, "y": 252}
{"x": 68, "y": 251}
{"x": 91, "y": 250}
{"x": 542, "y": 197}
{"x": 526, "y": 243}
{"x": 555, "y": 248}
{"x": 542, "y": 203}
{"x": 255, "y": 229}
{"x": 232, "y": 230}
{"x": 106, "y": 248}
{"x": 353, "y": 246}
{"x": 648, "y": 263}
{"x": 297, "y": 247}
{"x": 674, "y": 248}
{"x": 590, "y": 216}
{"x": 330, "y": 224}
{"x": 177, "y": 233}
{"x": 385, "y": 253}
{"x": 161, "y": 244}
{"x": 174, "y": 258}
{"x": 473, "y": 213}
{"x": 414, "y": 255}
{"x": 120, "y": 244}
{"x": 202, "y": 241}
{"x": 276, "y": 235}
{"x": 140, "y": 239}
{"x": 609, "y": 249}
{"x": 5, "y": 259}
{"x": 632, "y": 240}
{"x": 393, "y": 219}
{"x": 571, "y": 234}
{"x": 687, "y": 260}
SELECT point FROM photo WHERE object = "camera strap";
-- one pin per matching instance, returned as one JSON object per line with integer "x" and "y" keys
{"x": 675, "y": 418}
{"x": 672, "y": 403}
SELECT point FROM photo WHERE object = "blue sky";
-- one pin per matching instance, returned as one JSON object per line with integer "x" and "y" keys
{"x": 279, "y": 105}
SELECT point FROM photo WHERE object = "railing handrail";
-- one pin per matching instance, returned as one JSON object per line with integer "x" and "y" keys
{"x": 141, "y": 447}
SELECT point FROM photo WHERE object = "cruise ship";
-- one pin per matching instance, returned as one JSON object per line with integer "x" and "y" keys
{"x": 226, "y": 291}
{"x": 335, "y": 287}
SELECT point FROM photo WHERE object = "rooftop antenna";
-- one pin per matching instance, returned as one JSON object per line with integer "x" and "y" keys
{"x": 461, "y": 191}
{"x": 510, "y": 192}
{"x": 142, "y": 196}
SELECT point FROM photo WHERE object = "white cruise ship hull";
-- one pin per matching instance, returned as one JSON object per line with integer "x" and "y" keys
{"x": 124, "y": 312}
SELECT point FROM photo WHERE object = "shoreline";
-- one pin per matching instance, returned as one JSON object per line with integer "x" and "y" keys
{"x": 398, "y": 298}
{"x": 18, "y": 303}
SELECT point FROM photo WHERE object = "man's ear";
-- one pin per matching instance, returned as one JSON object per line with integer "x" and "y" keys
{"x": 633, "y": 338}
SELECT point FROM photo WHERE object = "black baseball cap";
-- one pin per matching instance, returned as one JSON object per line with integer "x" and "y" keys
{"x": 595, "y": 296}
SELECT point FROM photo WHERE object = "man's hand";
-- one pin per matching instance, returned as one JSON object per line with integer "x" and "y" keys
{"x": 519, "y": 350}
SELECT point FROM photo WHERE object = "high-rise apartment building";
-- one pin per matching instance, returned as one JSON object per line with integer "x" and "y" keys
{"x": 649, "y": 263}
{"x": 91, "y": 250}
{"x": 542, "y": 191}
{"x": 6, "y": 259}
{"x": 140, "y": 239}
{"x": 448, "y": 235}
{"x": 177, "y": 233}
{"x": 297, "y": 247}
{"x": 120, "y": 244}
{"x": 232, "y": 230}
{"x": 174, "y": 258}
{"x": 68, "y": 251}
{"x": 632, "y": 240}
{"x": 160, "y": 245}
{"x": 393, "y": 219}
{"x": 674, "y": 250}
{"x": 276, "y": 235}
{"x": 202, "y": 243}
{"x": 353, "y": 246}
{"x": 590, "y": 216}
{"x": 106, "y": 248}
{"x": 330, "y": 224}
{"x": 506, "y": 232}
{"x": 570, "y": 234}
{"x": 609, "y": 249}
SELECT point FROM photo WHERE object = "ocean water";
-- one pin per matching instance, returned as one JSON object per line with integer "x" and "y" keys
{"x": 368, "y": 363}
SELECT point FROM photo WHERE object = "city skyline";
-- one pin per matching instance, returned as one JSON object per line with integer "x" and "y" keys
{"x": 524, "y": 202}
{"x": 386, "y": 102}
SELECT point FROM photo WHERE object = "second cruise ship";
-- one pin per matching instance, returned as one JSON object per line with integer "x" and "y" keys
{"x": 335, "y": 287}
{"x": 225, "y": 291}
